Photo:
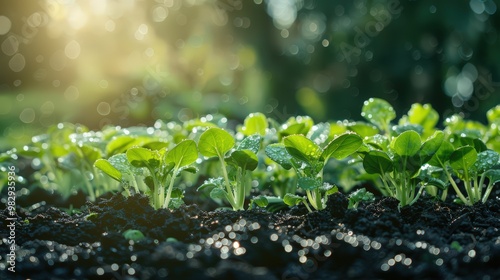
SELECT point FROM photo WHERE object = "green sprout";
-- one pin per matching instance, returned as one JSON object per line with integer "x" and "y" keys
{"x": 471, "y": 167}
{"x": 158, "y": 169}
{"x": 308, "y": 160}
{"x": 358, "y": 196}
{"x": 134, "y": 235}
{"x": 398, "y": 166}
{"x": 232, "y": 186}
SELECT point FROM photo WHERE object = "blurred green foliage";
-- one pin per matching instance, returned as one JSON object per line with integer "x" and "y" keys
{"x": 131, "y": 62}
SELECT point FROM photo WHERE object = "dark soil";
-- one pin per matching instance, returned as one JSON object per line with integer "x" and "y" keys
{"x": 428, "y": 240}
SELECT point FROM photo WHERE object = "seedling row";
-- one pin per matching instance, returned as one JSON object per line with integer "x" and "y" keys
{"x": 294, "y": 162}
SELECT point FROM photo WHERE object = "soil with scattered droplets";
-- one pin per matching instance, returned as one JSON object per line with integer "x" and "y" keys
{"x": 428, "y": 240}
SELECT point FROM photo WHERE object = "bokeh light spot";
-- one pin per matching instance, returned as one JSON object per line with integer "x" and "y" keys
{"x": 27, "y": 115}
{"x": 103, "y": 109}
{"x": 17, "y": 62}
{"x": 10, "y": 45}
{"x": 5, "y": 25}
{"x": 47, "y": 108}
{"x": 35, "y": 20}
{"x": 72, "y": 50}
{"x": 141, "y": 32}
{"x": 71, "y": 93}
{"x": 160, "y": 14}
{"x": 103, "y": 83}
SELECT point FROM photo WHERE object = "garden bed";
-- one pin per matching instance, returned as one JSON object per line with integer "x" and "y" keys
{"x": 428, "y": 240}
{"x": 200, "y": 200}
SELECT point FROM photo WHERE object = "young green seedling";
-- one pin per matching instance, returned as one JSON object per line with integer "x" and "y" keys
{"x": 134, "y": 235}
{"x": 155, "y": 168}
{"x": 233, "y": 187}
{"x": 379, "y": 112}
{"x": 471, "y": 167}
{"x": 399, "y": 166}
{"x": 308, "y": 160}
{"x": 360, "y": 195}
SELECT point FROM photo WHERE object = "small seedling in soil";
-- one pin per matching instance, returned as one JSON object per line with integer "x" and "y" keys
{"x": 156, "y": 167}
{"x": 308, "y": 160}
{"x": 235, "y": 165}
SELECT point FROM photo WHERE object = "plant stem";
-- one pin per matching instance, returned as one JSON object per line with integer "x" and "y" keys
{"x": 488, "y": 191}
{"x": 158, "y": 192}
{"x": 170, "y": 187}
{"x": 229, "y": 191}
{"x": 241, "y": 189}
{"x": 481, "y": 182}
{"x": 310, "y": 198}
{"x": 455, "y": 187}
{"x": 418, "y": 195}
{"x": 468, "y": 188}
{"x": 319, "y": 200}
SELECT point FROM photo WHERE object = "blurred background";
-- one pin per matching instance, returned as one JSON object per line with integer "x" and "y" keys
{"x": 130, "y": 62}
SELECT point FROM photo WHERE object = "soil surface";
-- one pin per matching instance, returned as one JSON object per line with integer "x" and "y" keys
{"x": 428, "y": 240}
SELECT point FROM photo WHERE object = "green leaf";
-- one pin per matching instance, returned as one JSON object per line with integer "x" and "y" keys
{"x": 398, "y": 129}
{"x": 175, "y": 203}
{"x": 219, "y": 193}
{"x": 245, "y": 159}
{"x": 308, "y": 183}
{"x": 319, "y": 133}
{"x": 407, "y": 143}
{"x": 493, "y": 115}
{"x": 342, "y": 146}
{"x": 378, "y": 141}
{"x": 493, "y": 176}
{"x": 423, "y": 115}
{"x": 442, "y": 155}
{"x": 108, "y": 169}
{"x": 211, "y": 183}
{"x": 486, "y": 160}
{"x": 460, "y": 140}
{"x": 156, "y": 145}
{"x": 68, "y": 162}
{"x": 260, "y": 201}
{"x": 429, "y": 180}
{"x": 377, "y": 162}
{"x": 134, "y": 235}
{"x": 215, "y": 142}
{"x": 89, "y": 153}
{"x": 255, "y": 123}
{"x": 121, "y": 163}
{"x": 296, "y": 125}
{"x": 411, "y": 165}
{"x": 250, "y": 143}
{"x": 379, "y": 112}
{"x": 360, "y": 195}
{"x": 183, "y": 153}
{"x": 278, "y": 153}
{"x": 301, "y": 148}
{"x": 328, "y": 189}
{"x": 463, "y": 158}
{"x": 363, "y": 129}
{"x": 431, "y": 146}
{"x": 292, "y": 199}
{"x": 189, "y": 169}
{"x": 119, "y": 145}
{"x": 142, "y": 157}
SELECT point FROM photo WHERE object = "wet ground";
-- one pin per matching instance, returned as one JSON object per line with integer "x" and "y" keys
{"x": 429, "y": 240}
